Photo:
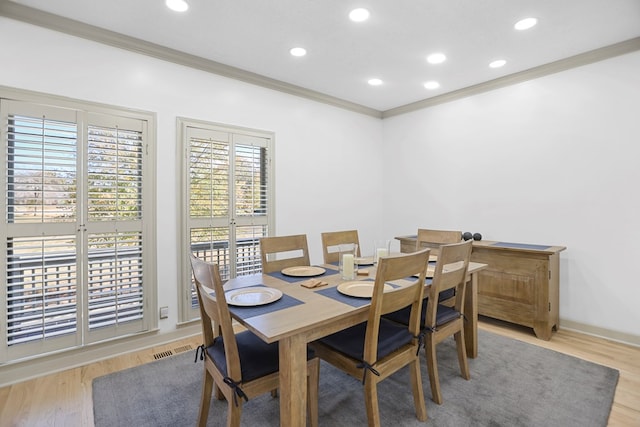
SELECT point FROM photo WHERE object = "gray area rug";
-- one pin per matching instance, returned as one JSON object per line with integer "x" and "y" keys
{"x": 512, "y": 384}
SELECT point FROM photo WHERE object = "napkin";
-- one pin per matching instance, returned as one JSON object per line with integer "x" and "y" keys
{"x": 313, "y": 283}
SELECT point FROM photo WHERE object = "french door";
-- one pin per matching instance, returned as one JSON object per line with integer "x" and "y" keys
{"x": 228, "y": 202}
{"x": 77, "y": 267}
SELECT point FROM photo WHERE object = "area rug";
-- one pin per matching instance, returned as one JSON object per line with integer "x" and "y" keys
{"x": 512, "y": 384}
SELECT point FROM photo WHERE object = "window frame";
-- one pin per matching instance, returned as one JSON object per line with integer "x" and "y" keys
{"x": 187, "y": 311}
{"x": 86, "y": 112}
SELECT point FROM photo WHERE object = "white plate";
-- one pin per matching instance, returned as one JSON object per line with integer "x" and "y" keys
{"x": 365, "y": 260}
{"x": 431, "y": 270}
{"x": 252, "y": 296}
{"x": 360, "y": 289}
{"x": 303, "y": 271}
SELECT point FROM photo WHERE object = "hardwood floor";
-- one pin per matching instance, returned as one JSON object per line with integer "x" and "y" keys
{"x": 64, "y": 399}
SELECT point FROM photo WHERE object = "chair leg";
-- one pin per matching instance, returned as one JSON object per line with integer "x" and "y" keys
{"x": 234, "y": 412}
{"x": 462, "y": 355}
{"x": 432, "y": 367}
{"x": 205, "y": 398}
{"x": 217, "y": 392}
{"x": 418, "y": 393}
{"x": 371, "y": 402}
{"x": 313, "y": 368}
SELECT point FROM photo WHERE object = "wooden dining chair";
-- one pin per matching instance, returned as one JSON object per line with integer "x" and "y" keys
{"x": 433, "y": 239}
{"x": 241, "y": 366}
{"x": 440, "y": 321}
{"x": 377, "y": 348}
{"x": 332, "y": 239}
{"x": 281, "y": 252}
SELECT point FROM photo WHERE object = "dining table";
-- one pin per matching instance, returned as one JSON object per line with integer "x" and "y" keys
{"x": 302, "y": 315}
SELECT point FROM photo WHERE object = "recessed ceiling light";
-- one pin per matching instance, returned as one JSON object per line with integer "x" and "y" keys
{"x": 298, "y": 51}
{"x": 497, "y": 63}
{"x": 432, "y": 85}
{"x": 525, "y": 24}
{"x": 359, "y": 15}
{"x": 375, "y": 82}
{"x": 436, "y": 58}
{"x": 177, "y": 5}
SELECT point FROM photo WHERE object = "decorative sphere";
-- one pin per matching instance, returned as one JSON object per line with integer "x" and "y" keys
{"x": 477, "y": 236}
{"x": 467, "y": 236}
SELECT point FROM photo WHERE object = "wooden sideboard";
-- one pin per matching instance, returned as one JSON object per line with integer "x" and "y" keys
{"x": 520, "y": 285}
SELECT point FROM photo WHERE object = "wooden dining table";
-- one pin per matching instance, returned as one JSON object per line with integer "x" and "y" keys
{"x": 303, "y": 315}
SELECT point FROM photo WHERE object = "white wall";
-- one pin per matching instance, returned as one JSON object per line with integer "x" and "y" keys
{"x": 320, "y": 150}
{"x": 550, "y": 161}
{"x": 554, "y": 161}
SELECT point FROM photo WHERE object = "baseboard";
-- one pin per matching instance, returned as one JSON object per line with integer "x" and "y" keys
{"x": 21, "y": 371}
{"x": 597, "y": 331}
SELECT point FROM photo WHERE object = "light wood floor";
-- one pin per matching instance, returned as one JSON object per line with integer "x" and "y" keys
{"x": 64, "y": 399}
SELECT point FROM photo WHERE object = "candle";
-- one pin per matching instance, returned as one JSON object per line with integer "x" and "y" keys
{"x": 381, "y": 252}
{"x": 347, "y": 266}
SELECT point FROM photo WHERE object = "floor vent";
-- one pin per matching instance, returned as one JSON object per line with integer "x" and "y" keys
{"x": 163, "y": 354}
{"x": 183, "y": 349}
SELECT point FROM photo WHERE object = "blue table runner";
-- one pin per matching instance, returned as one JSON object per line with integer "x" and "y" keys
{"x": 251, "y": 311}
{"x": 521, "y": 246}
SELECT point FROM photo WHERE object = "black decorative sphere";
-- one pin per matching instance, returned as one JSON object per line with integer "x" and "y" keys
{"x": 477, "y": 236}
{"x": 467, "y": 236}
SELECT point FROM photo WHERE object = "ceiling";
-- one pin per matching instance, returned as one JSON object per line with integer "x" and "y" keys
{"x": 255, "y": 36}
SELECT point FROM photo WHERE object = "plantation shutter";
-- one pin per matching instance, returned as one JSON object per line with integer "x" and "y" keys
{"x": 40, "y": 216}
{"x": 115, "y": 290}
{"x": 228, "y": 201}
{"x": 77, "y": 252}
{"x": 251, "y": 182}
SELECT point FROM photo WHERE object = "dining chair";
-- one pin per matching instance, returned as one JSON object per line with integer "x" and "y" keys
{"x": 440, "y": 321}
{"x": 332, "y": 239}
{"x": 280, "y": 252}
{"x": 375, "y": 349}
{"x": 240, "y": 366}
{"x": 435, "y": 238}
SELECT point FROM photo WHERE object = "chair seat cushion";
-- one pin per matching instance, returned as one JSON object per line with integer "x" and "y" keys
{"x": 402, "y": 316}
{"x": 446, "y": 294}
{"x": 350, "y": 342}
{"x": 257, "y": 358}
{"x": 444, "y": 315}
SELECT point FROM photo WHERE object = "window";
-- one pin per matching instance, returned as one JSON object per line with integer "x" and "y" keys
{"x": 228, "y": 198}
{"x": 77, "y": 233}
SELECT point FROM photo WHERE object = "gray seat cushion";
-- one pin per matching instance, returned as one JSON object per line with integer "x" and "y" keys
{"x": 257, "y": 358}
{"x": 350, "y": 342}
{"x": 445, "y": 314}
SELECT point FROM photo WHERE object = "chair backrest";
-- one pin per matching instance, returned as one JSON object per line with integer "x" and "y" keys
{"x": 332, "y": 239}
{"x": 215, "y": 311}
{"x": 281, "y": 252}
{"x": 393, "y": 268}
{"x": 450, "y": 272}
{"x": 434, "y": 238}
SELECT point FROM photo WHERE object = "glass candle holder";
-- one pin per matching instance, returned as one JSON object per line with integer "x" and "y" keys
{"x": 381, "y": 248}
{"x": 347, "y": 261}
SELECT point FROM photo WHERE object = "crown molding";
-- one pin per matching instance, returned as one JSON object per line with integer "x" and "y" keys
{"x": 50, "y": 21}
{"x": 585, "y": 58}
{"x": 58, "y": 23}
